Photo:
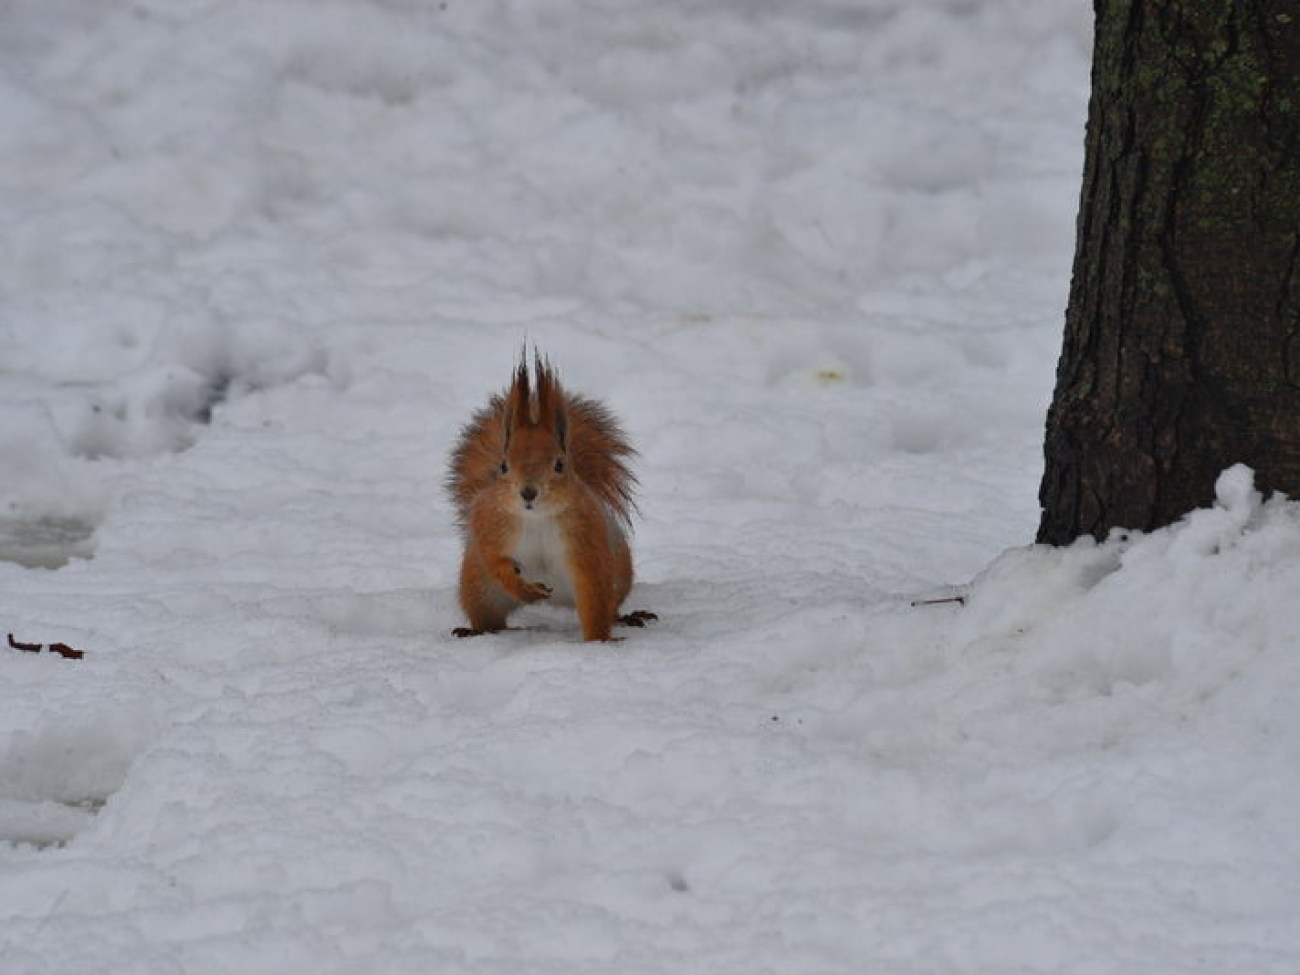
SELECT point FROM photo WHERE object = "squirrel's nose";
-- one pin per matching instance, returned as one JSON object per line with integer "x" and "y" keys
{"x": 528, "y": 493}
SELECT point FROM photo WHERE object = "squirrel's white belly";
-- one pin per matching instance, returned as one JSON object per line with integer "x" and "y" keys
{"x": 543, "y": 557}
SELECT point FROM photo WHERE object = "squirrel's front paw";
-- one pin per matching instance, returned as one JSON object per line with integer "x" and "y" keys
{"x": 519, "y": 587}
{"x": 532, "y": 592}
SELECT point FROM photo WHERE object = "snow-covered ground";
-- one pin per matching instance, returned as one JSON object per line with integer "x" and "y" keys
{"x": 261, "y": 259}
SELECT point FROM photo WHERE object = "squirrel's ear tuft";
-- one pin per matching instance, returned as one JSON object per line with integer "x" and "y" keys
{"x": 550, "y": 397}
{"x": 520, "y": 395}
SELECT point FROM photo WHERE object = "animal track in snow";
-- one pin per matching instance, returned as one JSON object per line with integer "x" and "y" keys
{"x": 56, "y": 778}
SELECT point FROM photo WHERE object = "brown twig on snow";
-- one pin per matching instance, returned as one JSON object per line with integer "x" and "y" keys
{"x": 62, "y": 649}
{"x": 959, "y": 600}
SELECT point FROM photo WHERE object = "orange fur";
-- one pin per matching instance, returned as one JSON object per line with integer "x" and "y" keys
{"x": 544, "y": 496}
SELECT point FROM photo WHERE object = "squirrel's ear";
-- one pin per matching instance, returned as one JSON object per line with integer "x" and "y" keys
{"x": 523, "y": 390}
{"x": 561, "y": 427}
{"x": 550, "y": 398}
{"x": 507, "y": 426}
{"x": 519, "y": 398}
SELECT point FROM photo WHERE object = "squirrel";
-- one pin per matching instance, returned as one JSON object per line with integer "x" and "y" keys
{"x": 543, "y": 492}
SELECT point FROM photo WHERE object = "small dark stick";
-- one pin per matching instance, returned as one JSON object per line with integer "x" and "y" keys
{"x": 62, "y": 649}
{"x": 959, "y": 600}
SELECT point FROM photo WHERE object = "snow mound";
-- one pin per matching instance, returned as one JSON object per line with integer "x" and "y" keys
{"x": 1167, "y": 623}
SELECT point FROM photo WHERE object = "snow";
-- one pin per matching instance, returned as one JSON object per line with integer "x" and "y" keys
{"x": 261, "y": 261}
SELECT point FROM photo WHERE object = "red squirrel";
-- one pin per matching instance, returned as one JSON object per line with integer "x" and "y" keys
{"x": 544, "y": 498}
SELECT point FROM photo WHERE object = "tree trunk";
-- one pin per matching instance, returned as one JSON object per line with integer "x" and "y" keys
{"x": 1182, "y": 334}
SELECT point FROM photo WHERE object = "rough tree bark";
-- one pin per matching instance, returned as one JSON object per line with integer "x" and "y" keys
{"x": 1182, "y": 333}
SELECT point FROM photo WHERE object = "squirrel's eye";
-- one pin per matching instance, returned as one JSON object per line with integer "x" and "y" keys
{"x": 505, "y": 468}
{"x": 559, "y": 465}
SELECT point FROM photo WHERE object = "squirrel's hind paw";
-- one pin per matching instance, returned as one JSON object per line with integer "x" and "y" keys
{"x": 638, "y": 617}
